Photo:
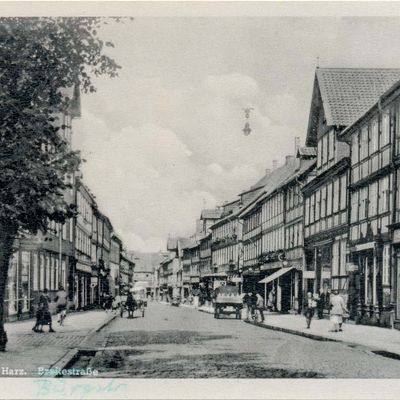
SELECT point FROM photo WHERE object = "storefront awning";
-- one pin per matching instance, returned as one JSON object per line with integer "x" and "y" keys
{"x": 276, "y": 275}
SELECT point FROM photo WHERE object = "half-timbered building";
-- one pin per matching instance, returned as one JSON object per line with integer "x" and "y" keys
{"x": 339, "y": 96}
{"x": 374, "y": 216}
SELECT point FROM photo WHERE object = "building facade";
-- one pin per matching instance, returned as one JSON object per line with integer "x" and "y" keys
{"x": 116, "y": 249}
{"x": 339, "y": 96}
{"x": 44, "y": 260}
{"x": 374, "y": 216}
{"x": 84, "y": 292}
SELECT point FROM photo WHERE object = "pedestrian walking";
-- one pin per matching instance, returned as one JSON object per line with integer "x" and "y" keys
{"x": 116, "y": 303}
{"x": 108, "y": 301}
{"x": 247, "y": 305}
{"x": 61, "y": 304}
{"x": 338, "y": 309}
{"x": 260, "y": 306}
{"x": 43, "y": 316}
{"x": 271, "y": 300}
{"x": 130, "y": 304}
{"x": 321, "y": 304}
{"x": 309, "y": 308}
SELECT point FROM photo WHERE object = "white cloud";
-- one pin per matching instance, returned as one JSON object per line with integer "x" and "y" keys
{"x": 232, "y": 86}
{"x": 161, "y": 154}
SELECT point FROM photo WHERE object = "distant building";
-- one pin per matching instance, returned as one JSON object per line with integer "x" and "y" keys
{"x": 115, "y": 261}
{"x": 145, "y": 264}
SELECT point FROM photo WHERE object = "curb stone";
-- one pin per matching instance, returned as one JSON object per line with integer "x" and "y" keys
{"x": 294, "y": 332}
{"x": 72, "y": 354}
{"x": 372, "y": 349}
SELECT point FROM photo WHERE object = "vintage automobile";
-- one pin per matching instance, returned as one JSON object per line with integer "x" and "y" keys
{"x": 228, "y": 301}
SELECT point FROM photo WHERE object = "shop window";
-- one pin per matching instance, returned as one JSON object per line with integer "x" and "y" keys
{"x": 42, "y": 271}
{"x": 35, "y": 272}
{"x": 335, "y": 259}
{"x": 13, "y": 284}
{"x": 47, "y": 269}
{"x": 386, "y": 265}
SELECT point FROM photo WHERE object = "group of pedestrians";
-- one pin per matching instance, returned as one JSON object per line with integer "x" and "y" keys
{"x": 337, "y": 309}
{"x": 253, "y": 304}
{"x": 43, "y": 314}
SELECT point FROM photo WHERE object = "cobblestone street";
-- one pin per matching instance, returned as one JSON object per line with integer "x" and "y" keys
{"x": 184, "y": 343}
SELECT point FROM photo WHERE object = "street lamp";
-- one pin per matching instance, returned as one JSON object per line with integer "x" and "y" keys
{"x": 247, "y": 129}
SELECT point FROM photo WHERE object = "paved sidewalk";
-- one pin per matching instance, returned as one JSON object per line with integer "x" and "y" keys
{"x": 29, "y": 350}
{"x": 374, "y": 338}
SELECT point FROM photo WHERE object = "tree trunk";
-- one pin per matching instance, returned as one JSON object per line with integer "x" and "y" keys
{"x": 7, "y": 236}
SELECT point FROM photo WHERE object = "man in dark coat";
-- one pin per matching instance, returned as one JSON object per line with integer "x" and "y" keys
{"x": 130, "y": 304}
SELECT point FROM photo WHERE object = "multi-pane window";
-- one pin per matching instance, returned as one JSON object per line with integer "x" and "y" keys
{"x": 374, "y": 136}
{"x": 384, "y": 194}
{"x": 307, "y": 211}
{"x": 385, "y": 136}
{"x": 317, "y": 204}
{"x": 312, "y": 208}
{"x": 354, "y": 149}
{"x": 329, "y": 199}
{"x": 364, "y": 143}
{"x": 325, "y": 149}
{"x": 343, "y": 192}
{"x": 331, "y": 145}
{"x": 336, "y": 191}
{"x": 354, "y": 206}
{"x": 319, "y": 153}
{"x": 323, "y": 202}
{"x": 363, "y": 203}
{"x": 372, "y": 198}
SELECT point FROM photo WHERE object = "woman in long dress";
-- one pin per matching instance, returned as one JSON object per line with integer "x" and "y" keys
{"x": 338, "y": 308}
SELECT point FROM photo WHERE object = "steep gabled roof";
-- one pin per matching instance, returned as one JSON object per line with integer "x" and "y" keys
{"x": 185, "y": 243}
{"x": 380, "y": 102}
{"x": 275, "y": 179}
{"x": 346, "y": 93}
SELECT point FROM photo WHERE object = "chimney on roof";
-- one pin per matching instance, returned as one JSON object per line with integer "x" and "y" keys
{"x": 289, "y": 160}
{"x": 267, "y": 171}
{"x": 296, "y": 150}
{"x": 274, "y": 165}
{"x": 296, "y": 145}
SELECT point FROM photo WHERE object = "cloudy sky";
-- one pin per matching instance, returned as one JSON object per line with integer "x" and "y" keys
{"x": 165, "y": 140}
